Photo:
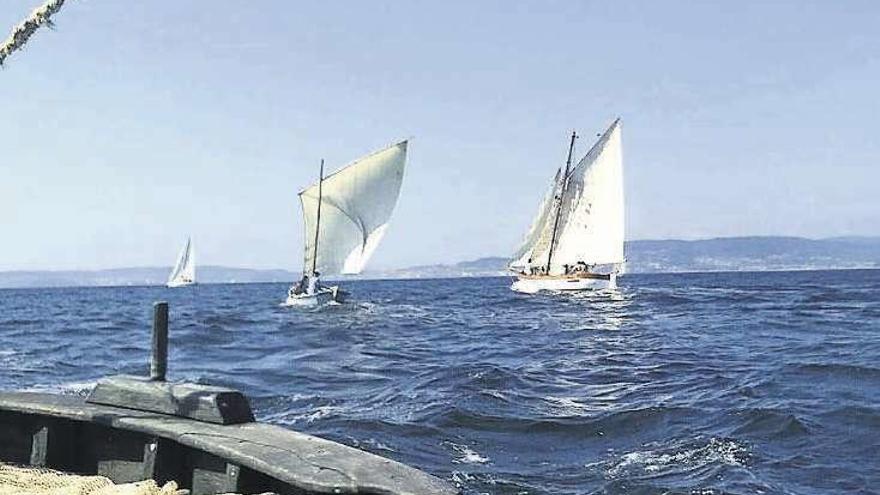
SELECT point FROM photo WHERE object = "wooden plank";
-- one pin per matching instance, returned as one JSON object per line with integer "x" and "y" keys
{"x": 40, "y": 447}
{"x": 151, "y": 451}
{"x": 17, "y": 437}
{"x": 116, "y": 453}
{"x": 212, "y": 474}
{"x": 233, "y": 473}
{"x": 201, "y": 402}
{"x": 301, "y": 461}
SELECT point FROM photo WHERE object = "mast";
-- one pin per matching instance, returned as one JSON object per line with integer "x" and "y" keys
{"x": 559, "y": 203}
{"x": 318, "y": 220}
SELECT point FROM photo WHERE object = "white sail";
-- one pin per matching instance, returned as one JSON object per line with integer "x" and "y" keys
{"x": 184, "y": 272}
{"x": 356, "y": 205}
{"x": 591, "y": 226}
{"x": 533, "y": 250}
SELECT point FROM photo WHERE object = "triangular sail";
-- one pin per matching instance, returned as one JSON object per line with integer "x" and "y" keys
{"x": 592, "y": 211}
{"x": 534, "y": 248}
{"x": 356, "y": 205}
{"x": 184, "y": 271}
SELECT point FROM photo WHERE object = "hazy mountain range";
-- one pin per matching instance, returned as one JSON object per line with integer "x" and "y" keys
{"x": 650, "y": 256}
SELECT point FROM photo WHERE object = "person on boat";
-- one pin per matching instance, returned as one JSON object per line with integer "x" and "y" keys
{"x": 307, "y": 285}
{"x": 298, "y": 287}
{"x": 312, "y": 283}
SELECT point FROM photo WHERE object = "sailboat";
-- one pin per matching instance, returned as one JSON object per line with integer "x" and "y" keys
{"x": 184, "y": 272}
{"x": 576, "y": 241}
{"x": 345, "y": 216}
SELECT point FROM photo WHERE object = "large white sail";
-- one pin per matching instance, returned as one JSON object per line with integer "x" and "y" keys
{"x": 356, "y": 205}
{"x": 590, "y": 213}
{"x": 591, "y": 226}
{"x": 534, "y": 248}
{"x": 184, "y": 272}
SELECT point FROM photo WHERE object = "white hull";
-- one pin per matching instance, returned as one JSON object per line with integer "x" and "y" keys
{"x": 322, "y": 296}
{"x": 533, "y": 285}
{"x": 181, "y": 283}
{"x": 579, "y": 230}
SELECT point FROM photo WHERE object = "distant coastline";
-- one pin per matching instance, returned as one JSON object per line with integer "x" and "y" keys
{"x": 757, "y": 253}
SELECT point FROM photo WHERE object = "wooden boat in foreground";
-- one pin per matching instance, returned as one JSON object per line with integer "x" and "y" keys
{"x": 202, "y": 437}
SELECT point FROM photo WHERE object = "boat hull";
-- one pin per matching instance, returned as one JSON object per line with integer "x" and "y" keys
{"x": 324, "y": 295}
{"x": 535, "y": 284}
{"x": 124, "y": 444}
{"x": 174, "y": 285}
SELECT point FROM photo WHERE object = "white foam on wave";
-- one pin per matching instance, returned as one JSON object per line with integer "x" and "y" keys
{"x": 568, "y": 406}
{"x": 283, "y": 416}
{"x": 463, "y": 454}
{"x": 715, "y": 451}
{"x": 318, "y": 413}
{"x": 14, "y": 360}
{"x": 494, "y": 393}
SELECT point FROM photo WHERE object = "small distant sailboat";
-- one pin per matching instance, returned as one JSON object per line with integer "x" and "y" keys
{"x": 184, "y": 272}
{"x": 346, "y": 215}
{"x": 576, "y": 241}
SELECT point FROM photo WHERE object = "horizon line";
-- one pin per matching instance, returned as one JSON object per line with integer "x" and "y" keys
{"x": 452, "y": 263}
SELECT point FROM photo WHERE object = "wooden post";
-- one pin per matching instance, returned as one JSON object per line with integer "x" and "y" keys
{"x": 159, "y": 361}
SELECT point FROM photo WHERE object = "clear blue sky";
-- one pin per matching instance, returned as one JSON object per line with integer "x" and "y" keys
{"x": 134, "y": 124}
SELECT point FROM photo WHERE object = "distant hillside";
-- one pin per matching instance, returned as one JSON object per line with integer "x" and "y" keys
{"x": 723, "y": 254}
{"x": 482, "y": 267}
{"x": 753, "y": 253}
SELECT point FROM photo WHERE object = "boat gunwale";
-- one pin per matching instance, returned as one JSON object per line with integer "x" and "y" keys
{"x": 240, "y": 443}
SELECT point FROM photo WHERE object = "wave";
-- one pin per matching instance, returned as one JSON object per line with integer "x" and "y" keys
{"x": 713, "y": 383}
{"x": 773, "y": 424}
{"x": 838, "y": 370}
{"x": 619, "y": 424}
{"x": 680, "y": 459}
{"x": 851, "y": 416}
{"x": 464, "y": 454}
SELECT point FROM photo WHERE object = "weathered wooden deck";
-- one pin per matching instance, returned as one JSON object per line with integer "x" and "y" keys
{"x": 69, "y": 434}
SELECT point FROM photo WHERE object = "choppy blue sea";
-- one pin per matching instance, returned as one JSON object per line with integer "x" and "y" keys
{"x": 700, "y": 383}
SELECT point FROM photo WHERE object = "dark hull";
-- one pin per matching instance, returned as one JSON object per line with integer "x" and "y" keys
{"x": 69, "y": 434}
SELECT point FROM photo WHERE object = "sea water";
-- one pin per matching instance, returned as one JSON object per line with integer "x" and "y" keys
{"x": 694, "y": 383}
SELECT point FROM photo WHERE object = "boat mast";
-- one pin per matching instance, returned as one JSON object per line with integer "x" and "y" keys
{"x": 559, "y": 202}
{"x": 318, "y": 220}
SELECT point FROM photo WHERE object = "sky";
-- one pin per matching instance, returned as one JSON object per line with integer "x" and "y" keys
{"x": 134, "y": 124}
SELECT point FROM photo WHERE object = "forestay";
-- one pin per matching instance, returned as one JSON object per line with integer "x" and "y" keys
{"x": 356, "y": 205}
